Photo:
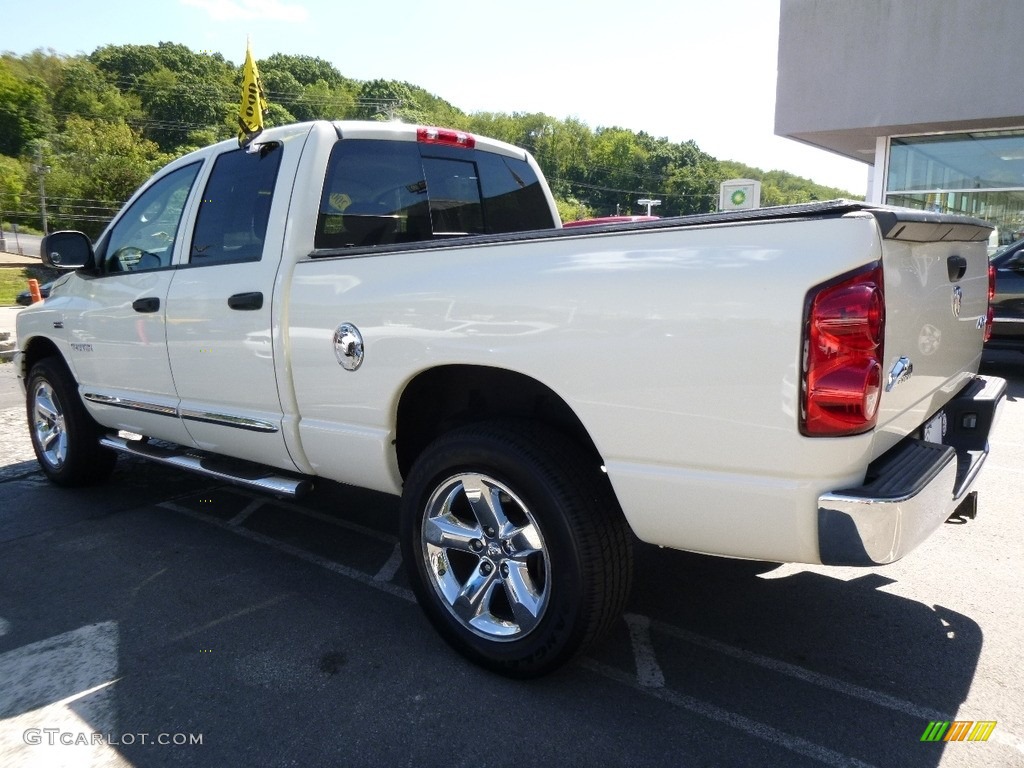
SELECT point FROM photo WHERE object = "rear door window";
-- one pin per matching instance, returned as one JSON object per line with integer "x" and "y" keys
{"x": 374, "y": 193}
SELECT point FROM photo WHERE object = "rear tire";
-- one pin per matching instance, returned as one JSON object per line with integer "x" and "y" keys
{"x": 515, "y": 546}
{"x": 64, "y": 436}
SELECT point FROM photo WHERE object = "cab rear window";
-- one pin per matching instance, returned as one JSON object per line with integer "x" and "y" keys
{"x": 382, "y": 192}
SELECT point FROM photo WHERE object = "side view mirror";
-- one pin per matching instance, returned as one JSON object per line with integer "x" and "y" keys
{"x": 66, "y": 250}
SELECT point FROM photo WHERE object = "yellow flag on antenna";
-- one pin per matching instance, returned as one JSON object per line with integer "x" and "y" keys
{"x": 254, "y": 101}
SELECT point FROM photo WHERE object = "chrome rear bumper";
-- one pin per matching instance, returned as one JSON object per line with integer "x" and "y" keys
{"x": 913, "y": 488}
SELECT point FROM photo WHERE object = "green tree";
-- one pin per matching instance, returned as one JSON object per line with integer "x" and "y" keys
{"x": 496, "y": 125}
{"x": 280, "y": 86}
{"x": 692, "y": 181}
{"x": 95, "y": 166}
{"x": 83, "y": 90}
{"x": 276, "y": 115}
{"x": 319, "y": 101}
{"x": 388, "y": 100}
{"x": 618, "y": 171}
{"x": 571, "y": 209}
{"x": 24, "y": 112}
{"x": 571, "y": 143}
{"x": 177, "y": 104}
{"x": 436, "y": 111}
{"x": 306, "y": 70}
{"x": 209, "y": 67}
{"x": 43, "y": 67}
{"x": 124, "y": 65}
{"x": 13, "y": 185}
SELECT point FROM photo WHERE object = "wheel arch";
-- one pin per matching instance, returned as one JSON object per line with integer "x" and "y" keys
{"x": 36, "y": 349}
{"x": 446, "y": 397}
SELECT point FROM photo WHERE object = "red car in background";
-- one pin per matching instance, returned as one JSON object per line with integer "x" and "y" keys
{"x": 607, "y": 220}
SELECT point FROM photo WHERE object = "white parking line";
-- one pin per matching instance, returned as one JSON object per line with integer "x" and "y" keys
{"x": 648, "y": 673}
{"x": 824, "y": 681}
{"x": 233, "y": 615}
{"x": 815, "y": 678}
{"x": 390, "y": 568}
{"x": 251, "y": 507}
{"x": 302, "y": 554}
{"x": 748, "y": 726}
{"x": 313, "y": 514}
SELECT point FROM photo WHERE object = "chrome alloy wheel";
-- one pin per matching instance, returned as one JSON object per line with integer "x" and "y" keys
{"x": 50, "y": 432}
{"x": 485, "y": 557}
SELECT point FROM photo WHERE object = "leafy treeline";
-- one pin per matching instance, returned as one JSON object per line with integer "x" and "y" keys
{"x": 95, "y": 127}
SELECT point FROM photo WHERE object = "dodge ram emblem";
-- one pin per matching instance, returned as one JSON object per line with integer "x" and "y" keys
{"x": 958, "y": 298}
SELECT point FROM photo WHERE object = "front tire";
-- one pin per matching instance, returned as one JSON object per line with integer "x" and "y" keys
{"x": 64, "y": 436}
{"x": 515, "y": 546}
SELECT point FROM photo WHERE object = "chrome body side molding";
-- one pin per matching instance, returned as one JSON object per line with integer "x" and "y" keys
{"x": 227, "y": 420}
{"x": 133, "y": 405}
{"x": 224, "y": 419}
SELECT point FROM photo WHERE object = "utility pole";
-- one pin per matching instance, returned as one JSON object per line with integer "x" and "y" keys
{"x": 42, "y": 170}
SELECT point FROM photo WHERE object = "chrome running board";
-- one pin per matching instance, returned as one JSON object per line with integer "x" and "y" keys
{"x": 229, "y": 470}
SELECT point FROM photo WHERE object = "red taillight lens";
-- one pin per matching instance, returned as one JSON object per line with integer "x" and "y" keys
{"x": 842, "y": 366}
{"x": 991, "y": 316}
{"x": 445, "y": 136}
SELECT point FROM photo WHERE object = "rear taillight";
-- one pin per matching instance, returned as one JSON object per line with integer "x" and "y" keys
{"x": 445, "y": 136}
{"x": 842, "y": 361}
{"x": 990, "y": 317}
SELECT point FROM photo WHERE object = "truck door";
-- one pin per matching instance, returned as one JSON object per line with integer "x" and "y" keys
{"x": 220, "y": 328}
{"x": 116, "y": 319}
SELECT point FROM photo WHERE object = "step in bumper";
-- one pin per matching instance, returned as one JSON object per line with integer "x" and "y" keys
{"x": 914, "y": 487}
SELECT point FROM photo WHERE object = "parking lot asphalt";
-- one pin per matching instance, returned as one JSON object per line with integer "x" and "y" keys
{"x": 161, "y": 619}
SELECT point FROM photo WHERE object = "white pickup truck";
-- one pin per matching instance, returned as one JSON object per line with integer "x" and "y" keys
{"x": 398, "y": 308}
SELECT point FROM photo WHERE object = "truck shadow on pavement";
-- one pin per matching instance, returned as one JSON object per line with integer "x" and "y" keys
{"x": 832, "y": 660}
{"x": 193, "y": 608}
{"x": 279, "y": 632}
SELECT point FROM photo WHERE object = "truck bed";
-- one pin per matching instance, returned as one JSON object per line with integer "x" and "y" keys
{"x": 914, "y": 223}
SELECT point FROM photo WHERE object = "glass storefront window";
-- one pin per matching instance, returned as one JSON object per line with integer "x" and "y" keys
{"x": 979, "y": 174}
{"x": 1004, "y": 209}
{"x": 982, "y": 160}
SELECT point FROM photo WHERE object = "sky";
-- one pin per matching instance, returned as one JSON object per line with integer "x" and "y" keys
{"x": 682, "y": 69}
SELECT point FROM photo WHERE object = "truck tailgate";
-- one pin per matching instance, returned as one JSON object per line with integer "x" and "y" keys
{"x": 936, "y": 295}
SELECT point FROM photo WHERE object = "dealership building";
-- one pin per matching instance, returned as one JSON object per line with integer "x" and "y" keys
{"x": 930, "y": 94}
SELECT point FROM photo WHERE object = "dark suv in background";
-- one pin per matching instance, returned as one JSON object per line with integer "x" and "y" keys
{"x": 1008, "y": 302}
